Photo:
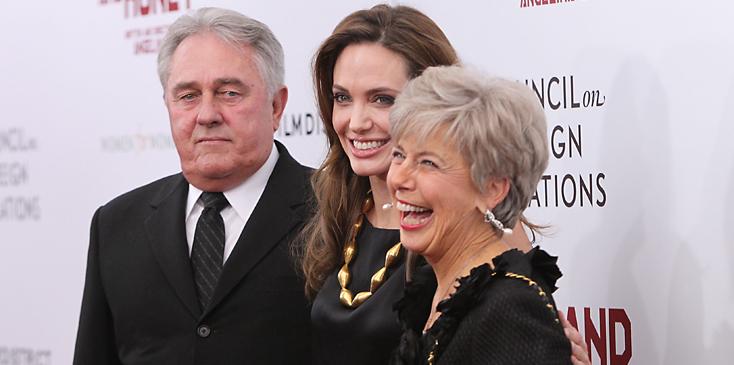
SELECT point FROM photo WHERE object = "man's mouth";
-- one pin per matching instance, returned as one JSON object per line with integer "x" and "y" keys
{"x": 212, "y": 139}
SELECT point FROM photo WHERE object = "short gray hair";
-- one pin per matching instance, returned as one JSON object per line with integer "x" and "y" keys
{"x": 498, "y": 125}
{"x": 233, "y": 28}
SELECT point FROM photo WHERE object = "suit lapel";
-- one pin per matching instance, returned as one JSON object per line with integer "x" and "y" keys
{"x": 166, "y": 229}
{"x": 274, "y": 216}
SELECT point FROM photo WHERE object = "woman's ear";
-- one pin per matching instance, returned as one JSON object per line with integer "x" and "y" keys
{"x": 495, "y": 191}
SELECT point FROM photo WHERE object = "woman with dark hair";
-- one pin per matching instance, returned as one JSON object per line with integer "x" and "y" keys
{"x": 353, "y": 261}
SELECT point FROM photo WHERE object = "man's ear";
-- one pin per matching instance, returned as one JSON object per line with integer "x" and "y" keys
{"x": 495, "y": 191}
{"x": 280, "y": 98}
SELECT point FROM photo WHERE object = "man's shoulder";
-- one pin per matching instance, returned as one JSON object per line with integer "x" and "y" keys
{"x": 286, "y": 161}
{"x": 289, "y": 170}
{"x": 148, "y": 193}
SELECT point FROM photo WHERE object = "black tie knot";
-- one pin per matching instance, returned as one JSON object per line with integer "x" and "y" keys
{"x": 215, "y": 201}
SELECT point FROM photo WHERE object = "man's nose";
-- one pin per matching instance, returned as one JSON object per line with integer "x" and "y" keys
{"x": 209, "y": 113}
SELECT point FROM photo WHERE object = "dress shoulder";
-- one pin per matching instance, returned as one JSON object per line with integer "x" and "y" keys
{"x": 512, "y": 317}
{"x": 511, "y": 326}
{"x": 499, "y": 315}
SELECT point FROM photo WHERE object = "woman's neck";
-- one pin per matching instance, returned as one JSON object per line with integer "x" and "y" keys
{"x": 461, "y": 259}
{"x": 457, "y": 262}
{"x": 382, "y": 218}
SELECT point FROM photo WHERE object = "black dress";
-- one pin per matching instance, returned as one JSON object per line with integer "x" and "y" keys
{"x": 501, "y": 316}
{"x": 369, "y": 333}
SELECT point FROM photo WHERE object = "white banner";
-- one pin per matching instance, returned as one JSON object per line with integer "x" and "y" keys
{"x": 639, "y": 190}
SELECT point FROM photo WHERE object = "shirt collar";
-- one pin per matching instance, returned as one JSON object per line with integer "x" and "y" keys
{"x": 244, "y": 196}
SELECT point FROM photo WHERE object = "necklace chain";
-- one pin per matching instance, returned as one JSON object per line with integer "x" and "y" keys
{"x": 350, "y": 251}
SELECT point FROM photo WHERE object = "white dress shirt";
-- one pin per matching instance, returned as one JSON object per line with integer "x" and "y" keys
{"x": 242, "y": 200}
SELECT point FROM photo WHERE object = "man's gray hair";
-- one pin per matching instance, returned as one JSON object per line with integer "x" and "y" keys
{"x": 498, "y": 125}
{"x": 233, "y": 28}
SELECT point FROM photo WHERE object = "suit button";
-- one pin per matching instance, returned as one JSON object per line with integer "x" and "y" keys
{"x": 203, "y": 331}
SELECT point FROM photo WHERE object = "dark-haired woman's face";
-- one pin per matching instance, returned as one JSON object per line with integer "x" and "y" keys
{"x": 367, "y": 78}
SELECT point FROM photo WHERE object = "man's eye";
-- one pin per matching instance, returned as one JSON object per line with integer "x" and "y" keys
{"x": 187, "y": 97}
{"x": 230, "y": 94}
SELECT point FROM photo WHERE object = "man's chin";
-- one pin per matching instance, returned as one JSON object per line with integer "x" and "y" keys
{"x": 212, "y": 178}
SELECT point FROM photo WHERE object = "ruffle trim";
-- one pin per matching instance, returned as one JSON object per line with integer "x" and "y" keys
{"x": 468, "y": 294}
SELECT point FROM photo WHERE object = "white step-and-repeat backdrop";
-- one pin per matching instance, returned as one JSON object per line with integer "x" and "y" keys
{"x": 640, "y": 189}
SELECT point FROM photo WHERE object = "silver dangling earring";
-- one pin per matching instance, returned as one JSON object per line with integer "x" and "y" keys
{"x": 491, "y": 219}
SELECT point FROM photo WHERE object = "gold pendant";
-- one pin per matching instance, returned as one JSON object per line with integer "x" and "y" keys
{"x": 350, "y": 251}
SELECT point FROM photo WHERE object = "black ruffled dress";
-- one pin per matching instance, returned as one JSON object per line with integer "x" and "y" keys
{"x": 501, "y": 316}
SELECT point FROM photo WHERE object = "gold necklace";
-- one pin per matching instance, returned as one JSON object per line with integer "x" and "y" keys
{"x": 350, "y": 251}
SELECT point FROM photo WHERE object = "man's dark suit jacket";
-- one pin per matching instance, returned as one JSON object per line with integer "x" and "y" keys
{"x": 140, "y": 304}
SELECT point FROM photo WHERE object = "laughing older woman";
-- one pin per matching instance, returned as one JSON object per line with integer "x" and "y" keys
{"x": 469, "y": 152}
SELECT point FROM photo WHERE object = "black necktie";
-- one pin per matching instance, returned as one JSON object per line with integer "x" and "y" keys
{"x": 207, "y": 253}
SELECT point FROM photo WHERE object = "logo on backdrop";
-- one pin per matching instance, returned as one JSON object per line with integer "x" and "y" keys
{"x": 300, "y": 124}
{"x": 24, "y": 356}
{"x": 16, "y": 204}
{"x": 147, "y": 39}
{"x": 137, "y": 143}
{"x": 578, "y": 188}
{"x": 534, "y": 3}
{"x": 607, "y": 333}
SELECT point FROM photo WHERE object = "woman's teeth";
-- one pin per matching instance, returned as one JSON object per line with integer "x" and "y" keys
{"x": 404, "y": 207}
{"x": 368, "y": 145}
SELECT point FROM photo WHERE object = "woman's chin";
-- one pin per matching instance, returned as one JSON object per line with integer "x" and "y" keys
{"x": 372, "y": 167}
{"x": 412, "y": 245}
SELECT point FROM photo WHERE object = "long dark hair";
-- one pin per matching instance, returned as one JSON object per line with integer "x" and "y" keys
{"x": 338, "y": 190}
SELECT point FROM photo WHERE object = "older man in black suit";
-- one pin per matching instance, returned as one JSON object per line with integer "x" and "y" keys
{"x": 195, "y": 268}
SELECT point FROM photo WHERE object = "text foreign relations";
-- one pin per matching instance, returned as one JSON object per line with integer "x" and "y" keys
{"x": 20, "y": 208}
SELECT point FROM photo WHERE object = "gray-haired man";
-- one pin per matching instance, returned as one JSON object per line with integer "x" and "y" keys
{"x": 195, "y": 268}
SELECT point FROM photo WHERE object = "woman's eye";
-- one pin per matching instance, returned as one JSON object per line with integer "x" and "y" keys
{"x": 384, "y": 100}
{"x": 429, "y": 163}
{"x": 341, "y": 98}
{"x": 397, "y": 155}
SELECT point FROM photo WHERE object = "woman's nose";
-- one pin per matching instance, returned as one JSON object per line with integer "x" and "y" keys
{"x": 359, "y": 119}
{"x": 400, "y": 176}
